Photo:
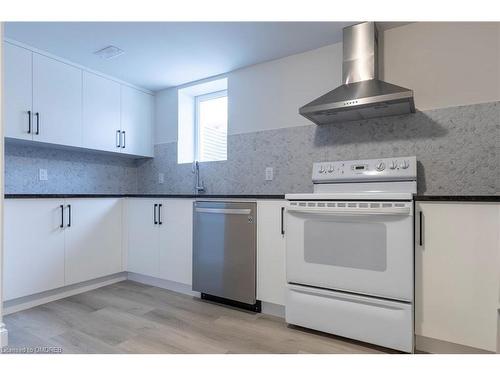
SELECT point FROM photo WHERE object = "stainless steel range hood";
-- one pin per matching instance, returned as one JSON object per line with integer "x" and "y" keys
{"x": 363, "y": 95}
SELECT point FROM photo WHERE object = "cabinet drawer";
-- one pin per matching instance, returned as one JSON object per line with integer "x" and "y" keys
{"x": 380, "y": 322}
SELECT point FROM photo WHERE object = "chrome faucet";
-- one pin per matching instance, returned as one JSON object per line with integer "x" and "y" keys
{"x": 198, "y": 182}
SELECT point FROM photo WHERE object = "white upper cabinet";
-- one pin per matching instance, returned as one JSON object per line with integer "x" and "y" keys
{"x": 271, "y": 279}
{"x": 57, "y": 102}
{"x": 17, "y": 92}
{"x": 101, "y": 113}
{"x": 50, "y": 101}
{"x": 456, "y": 273}
{"x": 93, "y": 238}
{"x": 136, "y": 122}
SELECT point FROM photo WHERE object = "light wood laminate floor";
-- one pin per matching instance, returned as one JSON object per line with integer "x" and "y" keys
{"x": 129, "y": 317}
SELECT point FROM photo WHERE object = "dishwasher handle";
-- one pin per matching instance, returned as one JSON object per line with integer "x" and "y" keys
{"x": 224, "y": 211}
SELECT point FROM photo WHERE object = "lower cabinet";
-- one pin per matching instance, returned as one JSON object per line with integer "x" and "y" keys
{"x": 160, "y": 238}
{"x": 143, "y": 237}
{"x": 33, "y": 247}
{"x": 93, "y": 239}
{"x": 176, "y": 240}
{"x": 271, "y": 279}
{"x": 50, "y": 243}
{"x": 457, "y": 273}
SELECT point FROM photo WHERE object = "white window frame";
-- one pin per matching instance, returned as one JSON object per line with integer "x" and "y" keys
{"x": 198, "y": 100}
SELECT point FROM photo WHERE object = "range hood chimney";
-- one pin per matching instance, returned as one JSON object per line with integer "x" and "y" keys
{"x": 362, "y": 95}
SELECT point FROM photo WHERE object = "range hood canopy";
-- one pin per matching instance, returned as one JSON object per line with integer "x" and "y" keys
{"x": 363, "y": 95}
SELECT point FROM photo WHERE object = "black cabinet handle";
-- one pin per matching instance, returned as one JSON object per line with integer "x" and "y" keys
{"x": 37, "y": 123}
{"x": 421, "y": 221}
{"x": 37, "y": 114}
{"x": 123, "y": 145}
{"x": 69, "y": 215}
{"x": 29, "y": 122}
{"x": 62, "y": 216}
{"x": 282, "y": 220}
{"x": 159, "y": 214}
{"x": 118, "y": 139}
{"x": 154, "y": 214}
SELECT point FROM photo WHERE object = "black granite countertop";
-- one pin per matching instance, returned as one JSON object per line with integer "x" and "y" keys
{"x": 448, "y": 198}
{"x": 206, "y": 196}
{"x": 459, "y": 198}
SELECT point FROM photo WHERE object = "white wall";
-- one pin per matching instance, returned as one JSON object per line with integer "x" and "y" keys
{"x": 264, "y": 96}
{"x": 166, "y": 116}
{"x": 268, "y": 96}
{"x": 446, "y": 64}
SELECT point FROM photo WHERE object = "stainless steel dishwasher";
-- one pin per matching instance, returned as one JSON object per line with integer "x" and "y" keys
{"x": 225, "y": 252}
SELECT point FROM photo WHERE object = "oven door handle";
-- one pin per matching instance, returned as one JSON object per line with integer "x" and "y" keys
{"x": 351, "y": 211}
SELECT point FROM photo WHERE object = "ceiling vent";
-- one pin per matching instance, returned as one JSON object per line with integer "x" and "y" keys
{"x": 109, "y": 52}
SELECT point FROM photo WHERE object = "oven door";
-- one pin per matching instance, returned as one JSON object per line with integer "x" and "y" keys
{"x": 359, "y": 247}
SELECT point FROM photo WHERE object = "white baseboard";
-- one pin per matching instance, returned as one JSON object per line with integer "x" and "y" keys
{"x": 273, "y": 309}
{"x": 28, "y": 302}
{"x": 435, "y": 346}
{"x": 4, "y": 336}
{"x": 164, "y": 284}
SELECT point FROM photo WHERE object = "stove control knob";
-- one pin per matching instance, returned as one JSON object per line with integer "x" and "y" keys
{"x": 404, "y": 164}
{"x": 380, "y": 166}
{"x": 330, "y": 170}
{"x": 394, "y": 165}
{"x": 322, "y": 169}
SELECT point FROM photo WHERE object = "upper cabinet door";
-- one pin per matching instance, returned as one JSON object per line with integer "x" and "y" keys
{"x": 18, "y": 91}
{"x": 101, "y": 113}
{"x": 57, "y": 102}
{"x": 136, "y": 122}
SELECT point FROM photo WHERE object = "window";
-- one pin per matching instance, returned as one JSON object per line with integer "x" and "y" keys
{"x": 211, "y": 127}
{"x": 202, "y": 122}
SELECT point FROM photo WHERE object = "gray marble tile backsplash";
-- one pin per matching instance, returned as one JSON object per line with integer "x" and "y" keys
{"x": 457, "y": 149}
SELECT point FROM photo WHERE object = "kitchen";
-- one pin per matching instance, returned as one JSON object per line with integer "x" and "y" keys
{"x": 234, "y": 208}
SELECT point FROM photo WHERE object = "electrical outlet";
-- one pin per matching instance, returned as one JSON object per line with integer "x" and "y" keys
{"x": 269, "y": 174}
{"x": 161, "y": 178}
{"x": 42, "y": 175}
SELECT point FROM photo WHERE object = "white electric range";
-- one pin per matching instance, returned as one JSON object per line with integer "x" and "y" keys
{"x": 349, "y": 251}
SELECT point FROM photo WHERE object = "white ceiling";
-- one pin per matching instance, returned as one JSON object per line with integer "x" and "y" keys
{"x": 163, "y": 54}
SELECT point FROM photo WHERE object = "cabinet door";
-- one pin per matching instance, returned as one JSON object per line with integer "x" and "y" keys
{"x": 143, "y": 238}
{"x": 57, "y": 98}
{"x": 93, "y": 238}
{"x": 101, "y": 113}
{"x": 17, "y": 91}
{"x": 456, "y": 278}
{"x": 33, "y": 247}
{"x": 137, "y": 121}
{"x": 176, "y": 240}
{"x": 271, "y": 280}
